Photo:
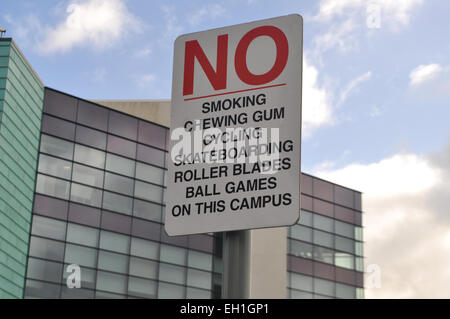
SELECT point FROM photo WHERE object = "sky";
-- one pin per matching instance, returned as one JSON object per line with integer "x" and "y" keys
{"x": 376, "y": 95}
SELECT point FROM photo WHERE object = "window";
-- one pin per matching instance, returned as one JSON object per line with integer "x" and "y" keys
{"x": 89, "y": 156}
{"x": 86, "y": 195}
{"x": 84, "y": 215}
{"x": 169, "y": 291}
{"x": 323, "y": 239}
{"x": 199, "y": 279}
{"x": 301, "y": 233}
{"x": 143, "y": 268}
{"x": 40, "y": 289}
{"x": 58, "y": 127}
{"x": 344, "y": 260}
{"x": 300, "y": 249}
{"x": 52, "y": 186}
{"x": 121, "y": 146}
{"x": 57, "y": 147}
{"x": 343, "y": 196}
{"x": 141, "y": 287}
{"x": 148, "y": 192}
{"x": 359, "y": 264}
{"x": 152, "y": 134}
{"x": 46, "y": 248}
{"x": 87, "y": 277}
{"x": 358, "y": 233}
{"x": 147, "y": 210}
{"x": 123, "y": 125}
{"x": 172, "y": 273}
{"x": 200, "y": 260}
{"x": 150, "y": 155}
{"x": 54, "y": 166}
{"x": 117, "y": 203}
{"x": 323, "y": 223}
{"x": 111, "y": 282}
{"x": 195, "y": 293}
{"x": 172, "y": 254}
{"x": 50, "y": 206}
{"x": 144, "y": 248}
{"x": 150, "y": 173}
{"x": 87, "y": 175}
{"x": 48, "y": 227}
{"x": 82, "y": 256}
{"x": 90, "y": 137}
{"x": 44, "y": 270}
{"x": 305, "y": 218}
{"x": 324, "y": 255}
{"x": 343, "y": 229}
{"x": 324, "y": 287}
{"x": 114, "y": 242}
{"x": 112, "y": 261}
{"x": 119, "y": 184}
{"x": 323, "y": 189}
{"x": 120, "y": 165}
{"x": 358, "y": 248}
{"x": 92, "y": 115}
{"x": 301, "y": 282}
{"x": 345, "y": 244}
{"x": 82, "y": 235}
{"x": 116, "y": 222}
{"x": 345, "y": 291}
{"x": 60, "y": 104}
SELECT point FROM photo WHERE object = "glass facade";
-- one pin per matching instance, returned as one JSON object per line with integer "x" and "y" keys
{"x": 325, "y": 255}
{"x": 99, "y": 204}
{"x": 21, "y": 101}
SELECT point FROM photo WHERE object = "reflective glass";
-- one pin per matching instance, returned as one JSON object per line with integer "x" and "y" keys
{"x": 44, "y": 270}
{"x": 112, "y": 261}
{"x": 89, "y": 156}
{"x": 114, "y": 242}
{"x": 345, "y": 291}
{"x": 119, "y": 164}
{"x": 94, "y": 138}
{"x": 200, "y": 260}
{"x": 82, "y": 256}
{"x": 87, "y": 175}
{"x": 82, "y": 235}
{"x": 152, "y": 134}
{"x": 345, "y": 244}
{"x": 305, "y": 218}
{"x": 142, "y": 287}
{"x": 344, "y": 260}
{"x": 144, "y": 248}
{"x": 60, "y": 104}
{"x": 148, "y": 192}
{"x": 86, "y": 195}
{"x": 54, "y": 166}
{"x": 323, "y": 223}
{"x": 121, "y": 146}
{"x": 358, "y": 233}
{"x": 195, "y": 293}
{"x": 58, "y": 127}
{"x": 199, "y": 279}
{"x": 117, "y": 203}
{"x": 170, "y": 291}
{"x": 324, "y": 255}
{"x": 322, "y": 238}
{"x": 48, "y": 227}
{"x": 111, "y": 282}
{"x": 42, "y": 290}
{"x": 300, "y": 249}
{"x": 46, "y": 248}
{"x": 324, "y": 287}
{"x": 52, "y": 186}
{"x": 150, "y": 173}
{"x": 119, "y": 184}
{"x": 57, "y": 147}
{"x": 301, "y": 233}
{"x": 172, "y": 254}
{"x": 359, "y": 264}
{"x": 301, "y": 282}
{"x": 343, "y": 229}
{"x": 143, "y": 268}
{"x": 147, "y": 210}
{"x": 92, "y": 115}
{"x": 172, "y": 273}
{"x": 123, "y": 125}
{"x": 151, "y": 155}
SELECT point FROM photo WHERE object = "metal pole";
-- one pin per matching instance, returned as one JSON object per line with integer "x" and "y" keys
{"x": 236, "y": 265}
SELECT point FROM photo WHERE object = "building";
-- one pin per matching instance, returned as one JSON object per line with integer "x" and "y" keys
{"x": 83, "y": 183}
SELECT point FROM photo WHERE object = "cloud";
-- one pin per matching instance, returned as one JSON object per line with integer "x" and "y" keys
{"x": 93, "y": 23}
{"x": 315, "y": 103}
{"x": 424, "y": 73}
{"x": 352, "y": 85}
{"x": 210, "y": 11}
{"x": 144, "y": 52}
{"x": 172, "y": 28}
{"x": 146, "y": 80}
{"x": 406, "y": 200}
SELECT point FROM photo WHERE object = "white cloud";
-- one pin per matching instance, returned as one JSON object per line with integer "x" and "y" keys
{"x": 95, "y": 23}
{"x": 352, "y": 85}
{"x": 424, "y": 73}
{"x": 146, "y": 80}
{"x": 315, "y": 103}
{"x": 406, "y": 222}
{"x": 144, "y": 52}
{"x": 210, "y": 11}
{"x": 172, "y": 28}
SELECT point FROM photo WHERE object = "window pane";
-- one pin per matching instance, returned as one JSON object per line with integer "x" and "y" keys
{"x": 81, "y": 255}
{"x": 58, "y": 127}
{"x": 151, "y": 155}
{"x": 300, "y": 249}
{"x": 119, "y": 184}
{"x": 115, "y": 242}
{"x": 48, "y": 227}
{"x": 359, "y": 264}
{"x": 345, "y": 291}
{"x": 112, "y": 261}
{"x": 54, "y": 166}
{"x": 305, "y": 218}
{"x": 111, "y": 282}
{"x": 141, "y": 287}
{"x": 147, "y": 210}
{"x": 152, "y": 134}
{"x": 344, "y": 260}
{"x": 121, "y": 146}
{"x": 344, "y": 229}
{"x": 82, "y": 235}
{"x": 144, "y": 248}
{"x": 322, "y": 238}
{"x": 195, "y": 293}
{"x": 358, "y": 248}
{"x": 39, "y": 289}
{"x": 345, "y": 244}
{"x": 324, "y": 287}
{"x": 116, "y": 222}
{"x": 60, "y": 104}
{"x": 68, "y": 293}
{"x": 123, "y": 125}
{"x": 323, "y": 223}
{"x": 148, "y": 192}
{"x": 91, "y": 137}
{"x": 50, "y": 206}
{"x": 46, "y": 248}
{"x": 143, "y": 268}
{"x": 200, "y": 260}
{"x": 301, "y": 282}
{"x": 52, "y": 186}
{"x": 44, "y": 270}
{"x": 87, "y": 175}
{"x": 89, "y": 156}
{"x": 92, "y": 115}
{"x": 199, "y": 279}
{"x": 150, "y": 173}
{"x": 87, "y": 277}
{"x": 172, "y": 254}
{"x": 56, "y": 146}
{"x": 120, "y": 165}
{"x": 84, "y": 215}
{"x": 86, "y": 195}
{"x": 301, "y": 233}
{"x": 169, "y": 291}
{"x": 324, "y": 255}
{"x": 172, "y": 273}
{"x": 117, "y": 203}
{"x": 358, "y": 233}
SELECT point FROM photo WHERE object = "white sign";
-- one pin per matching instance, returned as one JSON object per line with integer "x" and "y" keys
{"x": 234, "y": 160}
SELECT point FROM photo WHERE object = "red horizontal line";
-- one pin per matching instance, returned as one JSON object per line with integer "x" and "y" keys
{"x": 258, "y": 88}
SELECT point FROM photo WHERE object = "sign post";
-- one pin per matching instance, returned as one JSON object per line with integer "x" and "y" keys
{"x": 235, "y": 140}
